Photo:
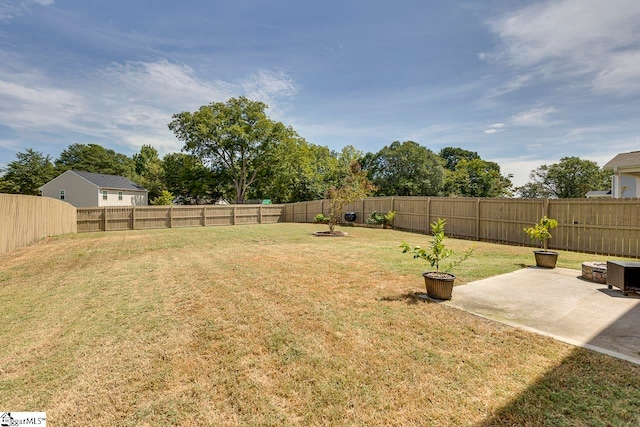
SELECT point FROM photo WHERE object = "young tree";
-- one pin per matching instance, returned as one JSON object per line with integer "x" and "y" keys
{"x": 235, "y": 136}
{"x": 572, "y": 177}
{"x": 25, "y": 175}
{"x": 354, "y": 187}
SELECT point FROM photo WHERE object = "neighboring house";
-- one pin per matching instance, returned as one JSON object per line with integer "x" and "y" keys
{"x": 86, "y": 189}
{"x": 625, "y": 181}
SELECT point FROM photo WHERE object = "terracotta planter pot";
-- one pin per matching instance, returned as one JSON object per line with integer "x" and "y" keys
{"x": 546, "y": 259}
{"x": 439, "y": 285}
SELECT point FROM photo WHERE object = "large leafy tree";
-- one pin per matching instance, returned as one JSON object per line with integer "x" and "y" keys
{"x": 453, "y": 155}
{"x": 297, "y": 171}
{"x": 405, "y": 169}
{"x": 235, "y": 137}
{"x": 95, "y": 158}
{"x": 477, "y": 178}
{"x": 191, "y": 182}
{"x": 572, "y": 177}
{"x": 27, "y": 173}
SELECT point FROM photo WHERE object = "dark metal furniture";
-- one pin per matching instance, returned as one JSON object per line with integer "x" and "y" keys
{"x": 624, "y": 275}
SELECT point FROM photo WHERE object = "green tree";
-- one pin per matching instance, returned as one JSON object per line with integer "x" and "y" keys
{"x": 453, "y": 155}
{"x": 25, "y": 175}
{"x": 572, "y": 177}
{"x": 164, "y": 199}
{"x": 149, "y": 168}
{"x": 191, "y": 182}
{"x": 97, "y": 159}
{"x": 234, "y": 137}
{"x": 297, "y": 171}
{"x": 355, "y": 186}
{"x": 405, "y": 169}
{"x": 477, "y": 178}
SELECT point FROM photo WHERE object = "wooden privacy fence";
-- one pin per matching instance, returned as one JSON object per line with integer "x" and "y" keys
{"x": 146, "y": 217}
{"x": 604, "y": 226}
{"x": 25, "y": 219}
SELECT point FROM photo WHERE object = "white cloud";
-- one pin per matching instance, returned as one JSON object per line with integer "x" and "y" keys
{"x": 495, "y": 128}
{"x": 10, "y": 9}
{"x": 598, "y": 40}
{"x": 534, "y": 117}
{"x": 125, "y": 104}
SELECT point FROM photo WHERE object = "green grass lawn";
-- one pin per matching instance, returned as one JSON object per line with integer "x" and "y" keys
{"x": 269, "y": 325}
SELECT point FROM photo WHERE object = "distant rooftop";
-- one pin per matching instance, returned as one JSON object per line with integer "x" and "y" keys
{"x": 110, "y": 181}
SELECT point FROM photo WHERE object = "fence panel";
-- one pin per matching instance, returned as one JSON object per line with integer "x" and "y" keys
{"x": 25, "y": 219}
{"x": 148, "y": 217}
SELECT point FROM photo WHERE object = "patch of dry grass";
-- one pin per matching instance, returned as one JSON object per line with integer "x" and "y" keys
{"x": 268, "y": 325}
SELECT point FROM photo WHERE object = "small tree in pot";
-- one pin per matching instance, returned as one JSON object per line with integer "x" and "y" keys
{"x": 439, "y": 283}
{"x": 540, "y": 232}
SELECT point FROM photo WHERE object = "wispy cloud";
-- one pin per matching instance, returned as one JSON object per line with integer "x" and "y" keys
{"x": 10, "y": 9}
{"x": 535, "y": 117}
{"x": 126, "y": 104}
{"x": 597, "y": 40}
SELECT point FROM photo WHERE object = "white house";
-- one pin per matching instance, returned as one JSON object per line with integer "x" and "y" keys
{"x": 86, "y": 189}
{"x": 625, "y": 181}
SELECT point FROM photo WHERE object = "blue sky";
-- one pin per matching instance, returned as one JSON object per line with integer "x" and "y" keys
{"x": 523, "y": 83}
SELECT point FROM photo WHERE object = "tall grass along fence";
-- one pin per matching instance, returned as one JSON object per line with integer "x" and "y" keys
{"x": 147, "y": 217}
{"x": 603, "y": 226}
{"x": 25, "y": 219}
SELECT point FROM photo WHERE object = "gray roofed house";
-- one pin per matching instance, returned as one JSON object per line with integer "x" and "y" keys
{"x": 87, "y": 189}
{"x": 625, "y": 181}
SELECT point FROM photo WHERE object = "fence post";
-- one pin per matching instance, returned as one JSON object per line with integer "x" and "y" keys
{"x": 233, "y": 219}
{"x": 546, "y": 207}
{"x": 204, "y": 215}
{"x": 428, "y": 215}
{"x": 171, "y": 216}
{"x": 104, "y": 219}
{"x": 133, "y": 218}
{"x": 478, "y": 219}
{"x": 393, "y": 204}
{"x": 260, "y": 214}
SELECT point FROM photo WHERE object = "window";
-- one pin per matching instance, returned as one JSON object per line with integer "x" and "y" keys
{"x": 61, "y": 194}
{"x": 105, "y": 193}
{"x": 119, "y": 195}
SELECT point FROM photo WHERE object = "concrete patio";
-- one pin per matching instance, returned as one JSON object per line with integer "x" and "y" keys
{"x": 558, "y": 303}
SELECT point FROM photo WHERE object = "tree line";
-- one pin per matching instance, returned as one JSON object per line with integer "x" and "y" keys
{"x": 233, "y": 151}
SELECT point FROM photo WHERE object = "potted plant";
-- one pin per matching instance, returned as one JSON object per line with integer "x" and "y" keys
{"x": 540, "y": 232}
{"x": 439, "y": 283}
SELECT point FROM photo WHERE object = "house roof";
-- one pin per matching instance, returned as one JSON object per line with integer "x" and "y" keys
{"x": 110, "y": 181}
{"x": 594, "y": 193}
{"x": 622, "y": 160}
